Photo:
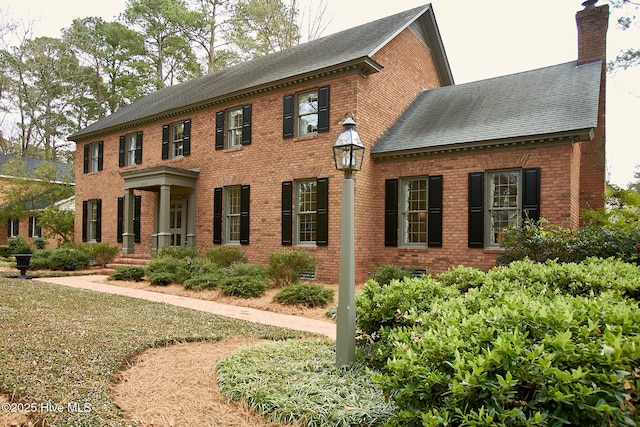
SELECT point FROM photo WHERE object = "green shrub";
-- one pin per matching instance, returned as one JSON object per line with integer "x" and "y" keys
{"x": 167, "y": 268}
{"x": 394, "y": 305}
{"x": 504, "y": 355}
{"x": 203, "y": 281}
{"x": 5, "y": 251}
{"x": 133, "y": 273}
{"x": 160, "y": 278}
{"x": 225, "y": 256}
{"x": 384, "y": 274}
{"x": 39, "y": 242}
{"x": 62, "y": 259}
{"x": 19, "y": 245}
{"x": 102, "y": 253}
{"x": 306, "y": 294}
{"x": 177, "y": 252}
{"x": 286, "y": 267}
{"x": 243, "y": 280}
{"x": 462, "y": 277}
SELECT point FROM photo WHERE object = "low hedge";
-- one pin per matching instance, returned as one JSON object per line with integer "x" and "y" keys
{"x": 306, "y": 294}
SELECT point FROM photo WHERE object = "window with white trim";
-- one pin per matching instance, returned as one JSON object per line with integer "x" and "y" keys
{"x": 130, "y": 146}
{"x": 92, "y": 220}
{"x": 234, "y": 127}
{"x": 504, "y": 210}
{"x": 306, "y": 212}
{"x": 232, "y": 214}
{"x": 94, "y": 155}
{"x": 177, "y": 140}
{"x": 307, "y": 113}
{"x": 413, "y": 212}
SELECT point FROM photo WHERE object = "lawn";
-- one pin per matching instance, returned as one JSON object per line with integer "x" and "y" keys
{"x": 59, "y": 346}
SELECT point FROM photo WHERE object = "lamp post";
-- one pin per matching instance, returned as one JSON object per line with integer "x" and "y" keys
{"x": 348, "y": 152}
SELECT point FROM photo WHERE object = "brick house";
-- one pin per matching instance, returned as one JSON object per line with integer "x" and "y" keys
{"x": 244, "y": 156}
{"x": 28, "y": 225}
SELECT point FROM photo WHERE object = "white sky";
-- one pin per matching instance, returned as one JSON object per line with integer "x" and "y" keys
{"x": 482, "y": 38}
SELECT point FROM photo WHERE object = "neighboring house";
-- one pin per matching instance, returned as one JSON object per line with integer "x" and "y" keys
{"x": 244, "y": 156}
{"x": 27, "y": 225}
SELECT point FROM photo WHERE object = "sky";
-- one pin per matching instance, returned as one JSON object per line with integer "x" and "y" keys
{"x": 482, "y": 39}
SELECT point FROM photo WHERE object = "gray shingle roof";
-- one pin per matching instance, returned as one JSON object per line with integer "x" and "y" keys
{"x": 64, "y": 172}
{"x": 340, "y": 48}
{"x": 554, "y": 100}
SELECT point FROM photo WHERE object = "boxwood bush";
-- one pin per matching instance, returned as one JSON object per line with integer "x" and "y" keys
{"x": 165, "y": 270}
{"x": 243, "y": 280}
{"x": 130, "y": 272}
{"x": 306, "y": 294}
{"x": 226, "y": 256}
{"x": 64, "y": 259}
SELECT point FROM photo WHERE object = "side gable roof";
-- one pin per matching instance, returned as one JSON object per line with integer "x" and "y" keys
{"x": 552, "y": 102}
{"x": 350, "y": 48}
{"x": 63, "y": 170}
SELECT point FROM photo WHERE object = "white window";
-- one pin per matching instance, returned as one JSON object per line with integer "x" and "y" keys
{"x": 503, "y": 204}
{"x": 130, "y": 146}
{"x": 308, "y": 113}
{"x": 413, "y": 212}
{"x": 13, "y": 227}
{"x": 306, "y": 212}
{"x": 234, "y": 127}
{"x": 94, "y": 155}
{"x": 177, "y": 140}
{"x": 92, "y": 220}
{"x": 232, "y": 217}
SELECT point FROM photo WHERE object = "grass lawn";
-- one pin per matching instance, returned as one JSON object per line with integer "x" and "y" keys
{"x": 59, "y": 346}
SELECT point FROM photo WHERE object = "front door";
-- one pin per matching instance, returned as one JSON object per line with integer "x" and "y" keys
{"x": 177, "y": 218}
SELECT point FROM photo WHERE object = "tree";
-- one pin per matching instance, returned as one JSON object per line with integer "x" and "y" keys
{"x": 260, "y": 27}
{"x": 629, "y": 57}
{"x": 57, "y": 223}
{"x": 164, "y": 24}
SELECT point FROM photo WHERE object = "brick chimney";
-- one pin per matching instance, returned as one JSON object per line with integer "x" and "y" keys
{"x": 593, "y": 22}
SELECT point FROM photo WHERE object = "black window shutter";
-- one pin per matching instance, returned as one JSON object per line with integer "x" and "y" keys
{"x": 100, "y": 155}
{"x": 137, "y": 211}
{"x": 217, "y": 215}
{"x": 186, "y": 141}
{"x": 531, "y": 194}
{"x": 434, "y": 222}
{"x": 121, "y": 152}
{"x": 219, "y": 130}
{"x": 120, "y": 226}
{"x": 86, "y": 158}
{"x": 246, "y": 124}
{"x": 244, "y": 214}
{"x": 165, "y": 142}
{"x": 287, "y": 213}
{"x": 17, "y": 222}
{"x": 31, "y": 221}
{"x": 9, "y": 228}
{"x": 287, "y": 117}
{"x": 476, "y": 210}
{"x": 391, "y": 212}
{"x": 85, "y": 212}
{"x": 99, "y": 220}
{"x": 322, "y": 211}
{"x": 138, "y": 154}
{"x": 323, "y": 109}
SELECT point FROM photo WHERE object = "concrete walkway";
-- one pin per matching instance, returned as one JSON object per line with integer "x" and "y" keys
{"x": 98, "y": 283}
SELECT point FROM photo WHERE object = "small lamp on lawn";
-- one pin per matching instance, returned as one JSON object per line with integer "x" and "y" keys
{"x": 348, "y": 153}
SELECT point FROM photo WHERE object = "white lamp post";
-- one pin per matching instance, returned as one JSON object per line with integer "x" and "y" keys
{"x": 348, "y": 152}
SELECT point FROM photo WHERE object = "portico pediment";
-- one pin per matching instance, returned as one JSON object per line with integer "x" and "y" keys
{"x": 154, "y": 177}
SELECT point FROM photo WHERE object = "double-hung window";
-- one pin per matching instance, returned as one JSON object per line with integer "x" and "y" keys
{"x": 306, "y": 113}
{"x": 91, "y": 220}
{"x": 232, "y": 217}
{"x": 13, "y": 227}
{"x": 503, "y": 204}
{"x": 231, "y": 209}
{"x": 233, "y": 127}
{"x": 414, "y": 211}
{"x": 305, "y": 212}
{"x": 93, "y": 157}
{"x": 34, "y": 228}
{"x": 176, "y": 140}
{"x": 499, "y": 201}
{"x": 130, "y": 149}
